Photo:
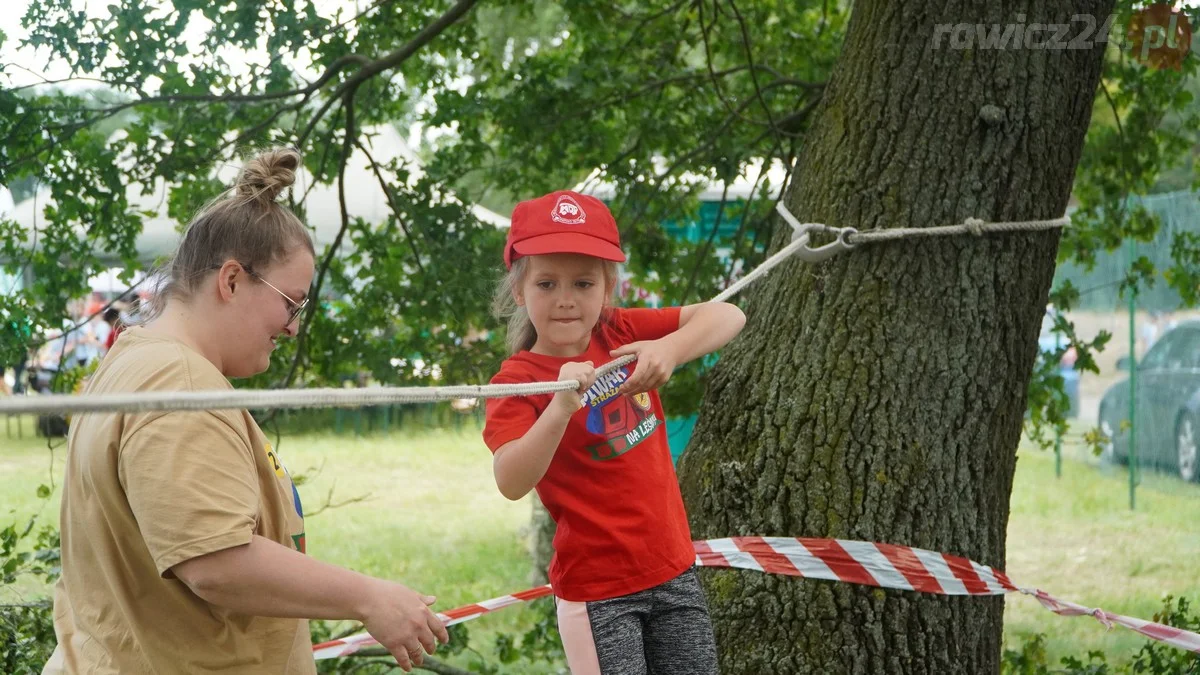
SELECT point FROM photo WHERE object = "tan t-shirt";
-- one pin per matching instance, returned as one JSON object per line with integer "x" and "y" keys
{"x": 147, "y": 491}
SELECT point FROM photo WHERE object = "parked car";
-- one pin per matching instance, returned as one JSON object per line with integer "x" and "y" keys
{"x": 1167, "y": 405}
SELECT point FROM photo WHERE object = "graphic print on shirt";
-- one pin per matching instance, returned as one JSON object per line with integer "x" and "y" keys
{"x": 281, "y": 472}
{"x": 298, "y": 539}
{"x": 622, "y": 421}
{"x": 274, "y": 460}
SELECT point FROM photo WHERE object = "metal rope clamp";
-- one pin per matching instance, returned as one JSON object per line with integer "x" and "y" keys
{"x": 802, "y": 230}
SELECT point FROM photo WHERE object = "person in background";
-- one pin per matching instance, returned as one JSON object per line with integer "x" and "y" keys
{"x": 112, "y": 317}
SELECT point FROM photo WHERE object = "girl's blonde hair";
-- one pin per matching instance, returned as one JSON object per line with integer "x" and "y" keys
{"x": 521, "y": 333}
{"x": 246, "y": 223}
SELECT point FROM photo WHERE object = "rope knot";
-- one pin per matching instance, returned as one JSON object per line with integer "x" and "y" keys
{"x": 975, "y": 226}
{"x": 1102, "y": 616}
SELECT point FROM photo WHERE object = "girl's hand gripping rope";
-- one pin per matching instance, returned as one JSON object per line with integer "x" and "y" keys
{"x": 585, "y": 373}
{"x": 656, "y": 360}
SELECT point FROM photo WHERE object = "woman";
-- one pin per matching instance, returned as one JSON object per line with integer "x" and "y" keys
{"x": 182, "y": 533}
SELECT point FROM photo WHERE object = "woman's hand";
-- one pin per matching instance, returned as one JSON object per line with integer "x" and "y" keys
{"x": 401, "y": 621}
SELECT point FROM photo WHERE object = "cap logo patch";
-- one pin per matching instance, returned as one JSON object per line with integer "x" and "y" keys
{"x": 568, "y": 211}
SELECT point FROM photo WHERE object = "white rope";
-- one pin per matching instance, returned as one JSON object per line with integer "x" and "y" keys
{"x": 767, "y": 265}
{"x": 973, "y": 226}
{"x": 262, "y": 399}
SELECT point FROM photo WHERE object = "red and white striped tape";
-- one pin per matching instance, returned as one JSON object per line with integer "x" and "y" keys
{"x": 904, "y": 568}
{"x": 348, "y": 645}
{"x": 856, "y": 562}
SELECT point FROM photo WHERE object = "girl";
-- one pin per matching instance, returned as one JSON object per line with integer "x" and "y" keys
{"x": 183, "y": 547}
{"x": 628, "y": 600}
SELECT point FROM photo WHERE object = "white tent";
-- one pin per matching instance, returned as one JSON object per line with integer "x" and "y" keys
{"x": 8, "y": 282}
{"x": 740, "y": 188}
{"x": 6, "y": 203}
{"x": 364, "y": 199}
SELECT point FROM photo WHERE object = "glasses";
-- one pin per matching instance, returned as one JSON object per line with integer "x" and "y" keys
{"x": 296, "y": 307}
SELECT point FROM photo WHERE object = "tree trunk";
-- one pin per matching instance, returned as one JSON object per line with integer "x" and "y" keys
{"x": 880, "y": 396}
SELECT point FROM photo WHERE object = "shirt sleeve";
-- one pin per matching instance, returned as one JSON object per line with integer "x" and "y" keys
{"x": 649, "y": 324}
{"x": 507, "y": 418}
{"x": 192, "y": 485}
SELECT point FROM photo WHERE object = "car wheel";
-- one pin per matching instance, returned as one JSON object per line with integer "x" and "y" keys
{"x": 1186, "y": 450}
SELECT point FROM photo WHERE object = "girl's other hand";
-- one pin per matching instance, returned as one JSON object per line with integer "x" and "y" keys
{"x": 656, "y": 360}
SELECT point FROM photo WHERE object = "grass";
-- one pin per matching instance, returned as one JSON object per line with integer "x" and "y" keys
{"x": 1076, "y": 538}
{"x": 430, "y": 515}
{"x": 432, "y": 518}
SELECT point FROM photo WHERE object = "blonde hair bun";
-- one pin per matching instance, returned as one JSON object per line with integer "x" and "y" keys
{"x": 268, "y": 174}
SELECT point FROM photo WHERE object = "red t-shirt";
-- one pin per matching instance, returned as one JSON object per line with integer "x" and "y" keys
{"x": 611, "y": 487}
{"x": 112, "y": 335}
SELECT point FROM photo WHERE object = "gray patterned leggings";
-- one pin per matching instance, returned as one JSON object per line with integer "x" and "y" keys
{"x": 663, "y": 630}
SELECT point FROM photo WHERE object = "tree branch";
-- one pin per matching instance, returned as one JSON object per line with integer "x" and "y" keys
{"x": 320, "y": 167}
{"x": 705, "y": 30}
{"x": 393, "y": 59}
{"x": 368, "y": 70}
{"x": 750, "y": 59}
{"x": 37, "y": 604}
{"x": 317, "y": 38}
{"x": 331, "y": 253}
{"x": 316, "y": 118}
{"x": 263, "y": 124}
{"x": 330, "y": 504}
{"x": 387, "y": 191}
{"x": 399, "y": 56}
{"x": 739, "y": 237}
{"x": 46, "y": 81}
{"x": 652, "y": 86}
{"x": 712, "y": 234}
{"x": 629, "y": 16}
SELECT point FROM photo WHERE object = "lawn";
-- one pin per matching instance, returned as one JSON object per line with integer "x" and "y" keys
{"x": 430, "y": 517}
{"x": 1076, "y": 538}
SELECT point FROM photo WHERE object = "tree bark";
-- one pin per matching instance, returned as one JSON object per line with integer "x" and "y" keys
{"x": 880, "y": 395}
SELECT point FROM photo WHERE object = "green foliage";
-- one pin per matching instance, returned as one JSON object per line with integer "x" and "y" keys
{"x": 1048, "y": 403}
{"x": 1153, "y": 658}
{"x": 30, "y": 550}
{"x": 26, "y": 637}
{"x": 1183, "y": 276}
{"x": 540, "y": 644}
{"x": 515, "y": 99}
{"x": 1157, "y": 657}
{"x": 1144, "y": 124}
{"x": 1030, "y": 659}
{"x": 27, "y": 628}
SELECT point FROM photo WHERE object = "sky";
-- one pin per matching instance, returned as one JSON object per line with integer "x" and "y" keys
{"x": 10, "y": 23}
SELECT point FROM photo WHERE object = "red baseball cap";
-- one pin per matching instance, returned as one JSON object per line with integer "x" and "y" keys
{"x": 563, "y": 222}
